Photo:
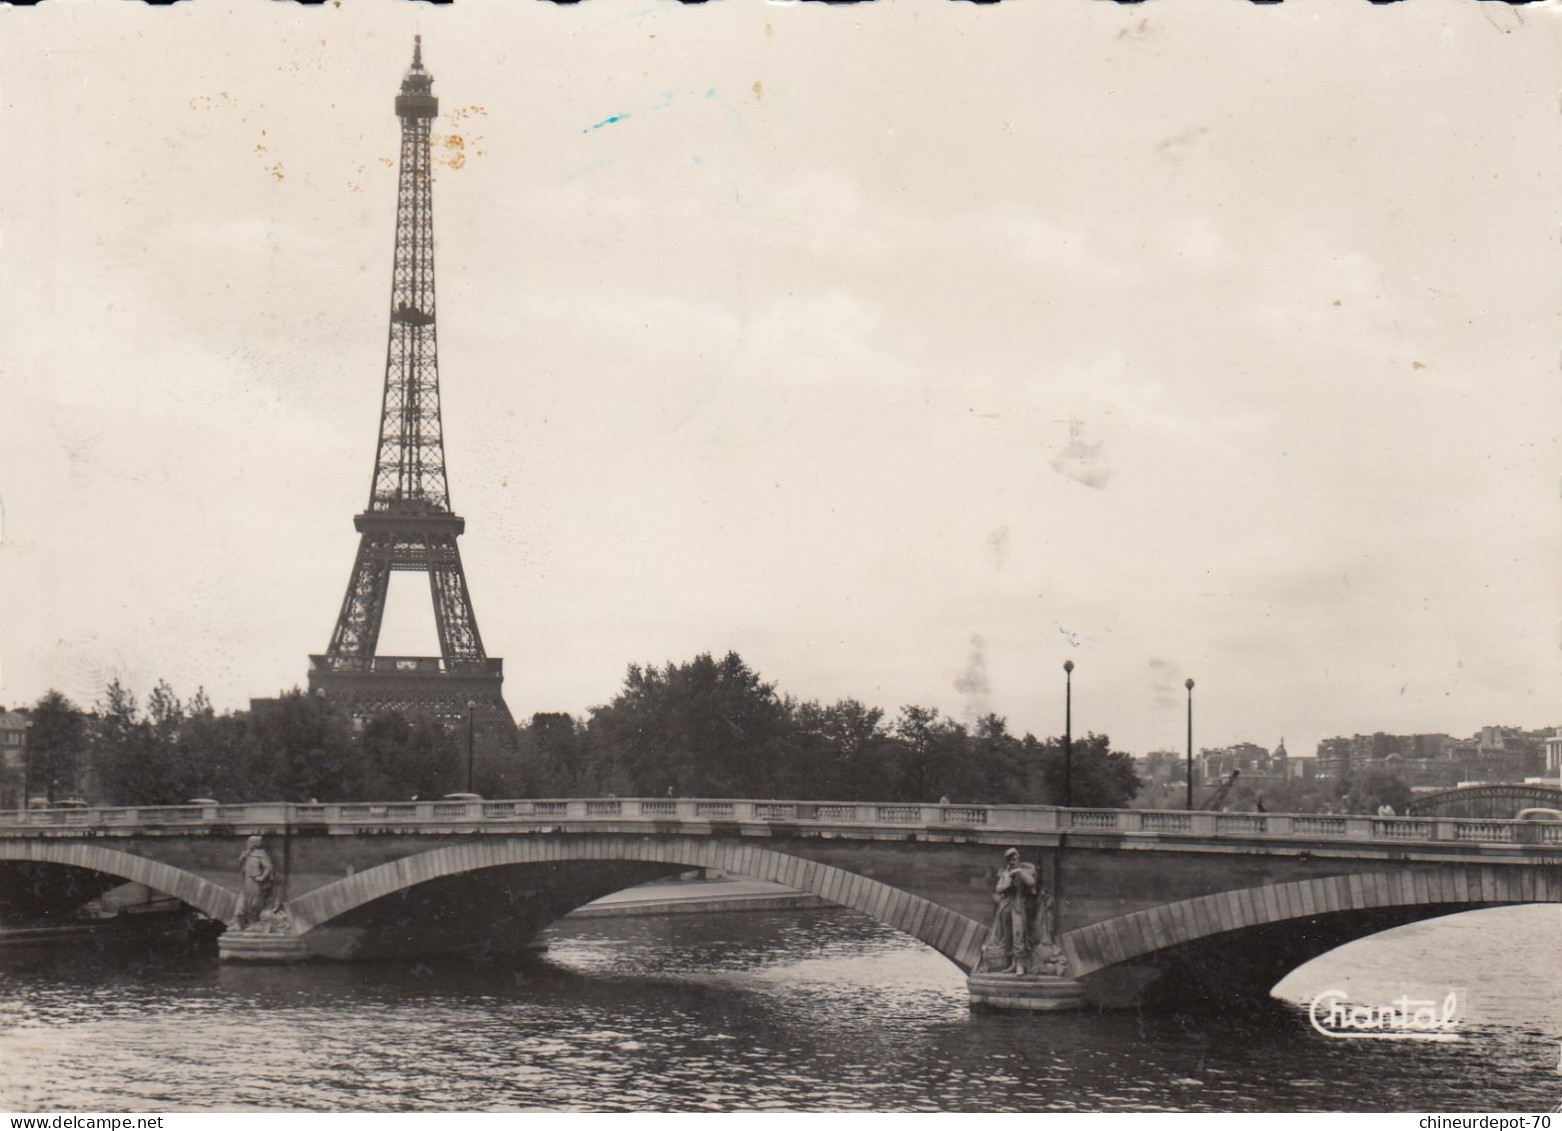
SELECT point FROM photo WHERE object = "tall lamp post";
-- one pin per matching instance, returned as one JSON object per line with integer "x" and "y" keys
{"x": 1189, "y": 686}
{"x": 471, "y": 708}
{"x": 1068, "y": 734}
{"x": 27, "y": 768}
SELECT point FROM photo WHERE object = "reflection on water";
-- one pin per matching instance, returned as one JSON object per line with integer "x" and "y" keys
{"x": 820, "y": 1010}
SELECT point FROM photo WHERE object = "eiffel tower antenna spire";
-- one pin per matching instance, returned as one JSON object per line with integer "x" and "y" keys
{"x": 408, "y": 523}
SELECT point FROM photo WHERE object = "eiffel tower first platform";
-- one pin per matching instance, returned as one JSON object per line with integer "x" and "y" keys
{"x": 408, "y": 524}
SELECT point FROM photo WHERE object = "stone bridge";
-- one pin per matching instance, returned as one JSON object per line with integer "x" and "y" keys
{"x": 1151, "y": 906}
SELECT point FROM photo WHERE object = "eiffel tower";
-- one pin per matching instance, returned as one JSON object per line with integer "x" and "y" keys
{"x": 408, "y": 524}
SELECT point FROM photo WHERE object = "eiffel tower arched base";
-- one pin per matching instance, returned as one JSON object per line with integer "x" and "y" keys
{"x": 414, "y": 685}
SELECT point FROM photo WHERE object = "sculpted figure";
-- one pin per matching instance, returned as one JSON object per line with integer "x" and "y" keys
{"x": 1018, "y": 893}
{"x": 1024, "y": 938}
{"x": 257, "y": 882}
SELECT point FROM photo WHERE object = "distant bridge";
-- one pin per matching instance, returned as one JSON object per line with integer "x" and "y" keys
{"x": 1152, "y": 905}
{"x": 1486, "y": 801}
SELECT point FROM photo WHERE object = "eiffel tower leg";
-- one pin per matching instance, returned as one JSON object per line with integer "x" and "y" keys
{"x": 453, "y": 616}
{"x": 358, "y": 625}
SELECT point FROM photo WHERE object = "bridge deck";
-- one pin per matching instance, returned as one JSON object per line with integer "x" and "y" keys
{"x": 1025, "y": 823}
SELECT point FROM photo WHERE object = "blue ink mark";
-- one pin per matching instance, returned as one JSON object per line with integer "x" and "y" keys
{"x": 667, "y": 96}
{"x": 711, "y": 93}
{"x": 699, "y": 160}
{"x": 605, "y": 122}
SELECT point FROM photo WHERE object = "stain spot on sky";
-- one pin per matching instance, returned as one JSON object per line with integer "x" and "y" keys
{"x": 1081, "y": 460}
{"x": 1180, "y": 144}
{"x": 973, "y": 683}
{"x": 998, "y": 545}
{"x": 616, "y": 118}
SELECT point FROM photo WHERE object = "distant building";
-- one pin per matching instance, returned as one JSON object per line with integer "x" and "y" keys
{"x": 1256, "y": 765}
{"x": 1553, "y": 743}
{"x": 13, "y": 759}
{"x": 1495, "y": 754}
{"x": 1160, "y": 767}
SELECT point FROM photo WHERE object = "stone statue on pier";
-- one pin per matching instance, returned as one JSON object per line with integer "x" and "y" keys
{"x": 1023, "y": 939}
{"x": 260, "y": 890}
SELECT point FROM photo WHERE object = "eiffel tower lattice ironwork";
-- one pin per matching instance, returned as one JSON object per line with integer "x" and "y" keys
{"x": 408, "y": 524}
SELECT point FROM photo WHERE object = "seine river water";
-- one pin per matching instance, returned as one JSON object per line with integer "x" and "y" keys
{"x": 818, "y": 1010}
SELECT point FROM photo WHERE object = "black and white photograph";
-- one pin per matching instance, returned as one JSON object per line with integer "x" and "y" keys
{"x": 781, "y": 556}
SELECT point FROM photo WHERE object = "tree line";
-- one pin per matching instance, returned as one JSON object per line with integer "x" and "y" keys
{"x": 708, "y": 727}
{"x": 714, "y": 728}
{"x": 167, "y": 751}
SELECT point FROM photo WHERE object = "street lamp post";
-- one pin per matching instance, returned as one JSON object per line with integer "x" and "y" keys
{"x": 1189, "y": 686}
{"x": 27, "y": 768}
{"x": 471, "y": 708}
{"x": 1068, "y": 734}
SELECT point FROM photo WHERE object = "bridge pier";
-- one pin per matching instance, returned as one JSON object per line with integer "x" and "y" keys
{"x": 246, "y": 946}
{"x": 1036, "y": 993}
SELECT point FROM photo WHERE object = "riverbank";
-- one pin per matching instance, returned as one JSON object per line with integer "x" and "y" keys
{"x": 689, "y": 897}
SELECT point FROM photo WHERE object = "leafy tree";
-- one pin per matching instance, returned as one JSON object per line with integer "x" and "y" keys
{"x": 840, "y": 751}
{"x": 554, "y": 755}
{"x": 56, "y": 748}
{"x": 1377, "y": 788}
{"x": 1102, "y": 777}
{"x": 930, "y": 758}
{"x": 705, "y": 727}
{"x": 396, "y": 757}
{"x": 307, "y": 750}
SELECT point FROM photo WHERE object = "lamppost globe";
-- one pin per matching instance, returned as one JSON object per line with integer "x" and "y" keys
{"x": 1068, "y": 665}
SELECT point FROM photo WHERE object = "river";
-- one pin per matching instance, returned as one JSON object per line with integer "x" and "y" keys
{"x": 801, "y": 1010}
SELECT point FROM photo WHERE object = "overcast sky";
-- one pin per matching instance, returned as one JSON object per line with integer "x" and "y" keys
{"x": 908, "y": 349}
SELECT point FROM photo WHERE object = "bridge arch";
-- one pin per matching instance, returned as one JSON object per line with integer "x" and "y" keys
{"x": 201, "y": 894}
{"x": 1499, "y": 802}
{"x": 1296, "y": 921}
{"x": 955, "y": 936}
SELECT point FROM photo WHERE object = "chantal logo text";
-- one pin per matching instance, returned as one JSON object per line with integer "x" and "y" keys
{"x": 1404, "y": 1019}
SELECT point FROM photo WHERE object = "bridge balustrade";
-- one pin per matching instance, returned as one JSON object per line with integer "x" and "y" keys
{"x": 836, "y": 812}
{"x": 1318, "y": 826}
{"x": 1196, "y": 825}
{"x": 964, "y": 815}
{"x": 1251, "y": 824}
{"x": 1094, "y": 818}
